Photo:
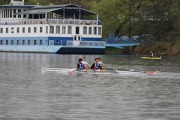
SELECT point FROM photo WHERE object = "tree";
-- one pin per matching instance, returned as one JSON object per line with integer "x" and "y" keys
{"x": 4, "y": 2}
{"x": 130, "y": 17}
{"x": 118, "y": 15}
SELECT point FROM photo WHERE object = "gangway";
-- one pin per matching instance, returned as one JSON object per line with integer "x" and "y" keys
{"x": 121, "y": 45}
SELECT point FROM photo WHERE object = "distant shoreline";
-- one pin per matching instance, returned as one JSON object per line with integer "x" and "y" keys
{"x": 161, "y": 48}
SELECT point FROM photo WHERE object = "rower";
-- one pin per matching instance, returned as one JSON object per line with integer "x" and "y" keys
{"x": 96, "y": 65}
{"x": 80, "y": 65}
{"x": 101, "y": 63}
{"x": 85, "y": 63}
{"x": 151, "y": 54}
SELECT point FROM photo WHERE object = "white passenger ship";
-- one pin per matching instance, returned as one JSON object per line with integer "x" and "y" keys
{"x": 60, "y": 29}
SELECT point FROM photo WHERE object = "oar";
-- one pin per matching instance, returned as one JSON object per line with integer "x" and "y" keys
{"x": 118, "y": 69}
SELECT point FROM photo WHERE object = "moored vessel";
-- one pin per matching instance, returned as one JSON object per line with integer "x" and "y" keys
{"x": 60, "y": 29}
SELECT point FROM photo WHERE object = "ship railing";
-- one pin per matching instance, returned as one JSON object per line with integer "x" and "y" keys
{"x": 73, "y": 21}
{"x": 50, "y": 21}
{"x": 26, "y": 21}
{"x": 86, "y": 43}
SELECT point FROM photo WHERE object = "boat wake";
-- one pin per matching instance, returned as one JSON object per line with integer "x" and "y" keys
{"x": 168, "y": 75}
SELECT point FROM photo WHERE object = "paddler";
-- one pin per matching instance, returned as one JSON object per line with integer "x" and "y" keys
{"x": 151, "y": 54}
{"x": 96, "y": 66}
{"x": 101, "y": 63}
{"x": 85, "y": 63}
{"x": 80, "y": 65}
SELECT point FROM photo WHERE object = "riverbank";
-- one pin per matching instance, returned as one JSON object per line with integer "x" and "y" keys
{"x": 159, "y": 48}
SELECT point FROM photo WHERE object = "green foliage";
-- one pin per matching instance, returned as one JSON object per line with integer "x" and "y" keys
{"x": 4, "y": 2}
{"x": 129, "y": 17}
{"x": 177, "y": 45}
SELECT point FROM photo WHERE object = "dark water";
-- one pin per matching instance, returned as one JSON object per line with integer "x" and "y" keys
{"x": 28, "y": 93}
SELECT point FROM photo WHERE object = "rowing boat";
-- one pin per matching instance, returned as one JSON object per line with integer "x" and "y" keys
{"x": 98, "y": 72}
{"x": 73, "y": 70}
{"x": 127, "y": 72}
{"x": 151, "y": 58}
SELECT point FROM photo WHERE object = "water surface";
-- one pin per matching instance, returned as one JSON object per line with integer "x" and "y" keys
{"x": 28, "y": 93}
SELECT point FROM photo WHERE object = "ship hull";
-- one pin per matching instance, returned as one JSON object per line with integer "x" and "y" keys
{"x": 56, "y": 49}
{"x": 75, "y": 50}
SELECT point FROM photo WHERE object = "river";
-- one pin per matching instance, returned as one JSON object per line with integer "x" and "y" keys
{"x": 27, "y": 93}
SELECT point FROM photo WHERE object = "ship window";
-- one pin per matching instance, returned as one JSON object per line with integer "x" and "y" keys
{"x": 41, "y": 29}
{"x": 5, "y": 12}
{"x": 34, "y": 42}
{"x": 6, "y": 30}
{"x": 95, "y": 30}
{"x": 23, "y": 42}
{"x": 99, "y": 30}
{"x": 10, "y": 13}
{"x": 58, "y": 29}
{"x": 69, "y": 29}
{"x": 90, "y": 30}
{"x": 23, "y": 30}
{"x": 17, "y": 42}
{"x": 1, "y": 42}
{"x": 35, "y": 29}
{"x": 29, "y": 42}
{"x": 63, "y": 30}
{"x": 19, "y": 10}
{"x": 40, "y": 42}
{"x": 12, "y": 42}
{"x": 12, "y": 30}
{"x": 6, "y": 42}
{"x": 14, "y": 12}
{"x": 46, "y": 29}
{"x": 24, "y": 16}
{"x": 1, "y": 30}
{"x": 17, "y": 30}
{"x": 84, "y": 30}
{"x": 77, "y": 30}
{"x": 29, "y": 29}
{"x": 51, "y": 29}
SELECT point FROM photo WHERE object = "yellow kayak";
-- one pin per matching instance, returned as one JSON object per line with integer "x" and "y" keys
{"x": 151, "y": 58}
